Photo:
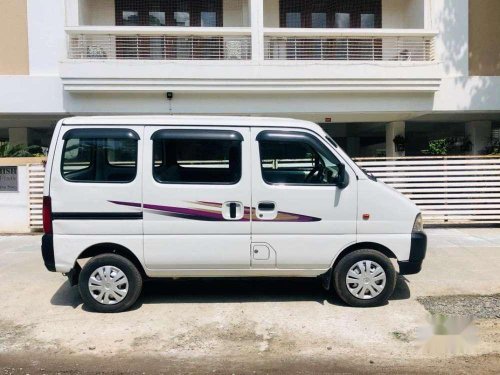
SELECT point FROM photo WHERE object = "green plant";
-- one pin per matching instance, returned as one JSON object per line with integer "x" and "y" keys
{"x": 439, "y": 146}
{"x": 8, "y": 150}
{"x": 494, "y": 147}
{"x": 449, "y": 146}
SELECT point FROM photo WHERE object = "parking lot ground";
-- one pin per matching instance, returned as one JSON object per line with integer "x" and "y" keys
{"x": 261, "y": 325}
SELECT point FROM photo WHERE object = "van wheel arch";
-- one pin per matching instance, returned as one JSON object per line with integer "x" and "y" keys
{"x": 104, "y": 248}
{"x": 326, "y": 278}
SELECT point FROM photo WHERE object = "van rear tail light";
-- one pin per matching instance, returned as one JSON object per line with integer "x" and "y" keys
{"x": 47, "y": 215}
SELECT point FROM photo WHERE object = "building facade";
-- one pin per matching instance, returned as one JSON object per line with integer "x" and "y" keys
{"x": 369, "y": 71}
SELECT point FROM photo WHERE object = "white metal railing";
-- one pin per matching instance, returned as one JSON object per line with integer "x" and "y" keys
{"x": 448, "y": 190}
{"x": 349, "y": 44}
{"x": 158, "y": 43}
{"x": 36, "y": 175}
{"x": 235, "y": 43}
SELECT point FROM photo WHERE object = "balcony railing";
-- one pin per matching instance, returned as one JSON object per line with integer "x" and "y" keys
{"x": 151, "y": 43}
{"x": 226, "y": 43}
{"x": 349, "y": 45}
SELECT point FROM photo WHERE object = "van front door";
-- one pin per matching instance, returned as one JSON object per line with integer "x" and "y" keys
{"x": 301, "y": 214}
{"x": 196, "y": 187}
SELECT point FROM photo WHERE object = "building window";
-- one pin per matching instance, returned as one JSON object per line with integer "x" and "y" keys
{"x": 368, "y": 21}
{"x": 130, "y": 18}
{"x": 208, "y": 19}
{"x": 157, "y": 19}
{"x": 293, "y": 19}
{"x": 182, "y": 19}
{"x": 319, "y": 20}
{"x": 342, "y": 20}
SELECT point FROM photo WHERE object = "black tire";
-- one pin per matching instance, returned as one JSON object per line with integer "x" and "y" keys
{"x": 349, "y": 260}
{"x": 126, "y": 266}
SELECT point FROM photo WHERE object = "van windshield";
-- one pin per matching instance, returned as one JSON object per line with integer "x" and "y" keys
{"x": 331, "y": 141}
{"x": 365, "y": 172}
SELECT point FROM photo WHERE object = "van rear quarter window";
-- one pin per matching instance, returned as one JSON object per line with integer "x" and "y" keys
{"x": 99, "y": 160}
{"x": 197, "y": 161}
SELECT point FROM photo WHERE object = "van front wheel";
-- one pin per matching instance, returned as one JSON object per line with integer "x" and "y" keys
{"x": 364, "y": 278}
{"x": 109, "y": 283}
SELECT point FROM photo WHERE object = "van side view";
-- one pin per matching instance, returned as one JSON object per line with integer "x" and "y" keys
{"x": 131, "y": 198}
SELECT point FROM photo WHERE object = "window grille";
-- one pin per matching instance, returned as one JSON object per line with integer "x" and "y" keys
{"x": 182, "y": 13}
{"x": 331, "y": 13}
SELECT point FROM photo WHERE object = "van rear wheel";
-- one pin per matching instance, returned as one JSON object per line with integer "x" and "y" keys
{"x": 364, "y": 278}
{"x": 109, "y": 283}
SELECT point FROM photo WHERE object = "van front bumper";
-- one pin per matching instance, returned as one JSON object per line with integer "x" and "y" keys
{"x": 48, "y": 252}
{"x": 418, "y": 249}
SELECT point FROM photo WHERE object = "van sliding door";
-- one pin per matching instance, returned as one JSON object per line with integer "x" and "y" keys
{"x": 196, "y": 198}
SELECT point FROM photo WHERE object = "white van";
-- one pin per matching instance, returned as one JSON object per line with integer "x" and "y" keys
{"x": 131, "y": 198}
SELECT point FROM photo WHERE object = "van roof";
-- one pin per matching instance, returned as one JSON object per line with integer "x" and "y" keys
{"x": 245, "y": 121}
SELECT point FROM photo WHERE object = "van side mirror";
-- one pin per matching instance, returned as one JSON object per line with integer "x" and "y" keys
{"x": 342, "y": 179}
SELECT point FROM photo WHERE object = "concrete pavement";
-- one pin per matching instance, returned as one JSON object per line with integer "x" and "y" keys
{"x": 206, "y": 324}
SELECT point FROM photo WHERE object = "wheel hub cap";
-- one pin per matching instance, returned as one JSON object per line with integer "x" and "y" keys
{"x": 366, "y": 279}
{"x": 108, "y": 285}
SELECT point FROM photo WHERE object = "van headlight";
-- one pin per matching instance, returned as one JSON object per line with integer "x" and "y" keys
{"x": 418, "y": 226}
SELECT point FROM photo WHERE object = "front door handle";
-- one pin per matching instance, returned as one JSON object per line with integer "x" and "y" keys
{"x": 232, "y": 210}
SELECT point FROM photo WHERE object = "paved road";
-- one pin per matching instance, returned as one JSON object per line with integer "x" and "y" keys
{"x": 242, "y": 326}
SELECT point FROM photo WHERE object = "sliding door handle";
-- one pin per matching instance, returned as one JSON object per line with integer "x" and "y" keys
{"x": 267, "y": 206}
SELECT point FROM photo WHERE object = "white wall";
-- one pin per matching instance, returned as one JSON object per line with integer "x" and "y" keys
{"x": 30, "y": 94}
{"x": 403, "y": 14}
{"x": 451, "y": 19}
{"x": 415, "y": 14}
{"x": 271, "y": 13}
{"x": 97, "y": 12}
{"x": 235, "y": 13}
{"x": 14, "y": 206}
{"x": 47, "y": 39}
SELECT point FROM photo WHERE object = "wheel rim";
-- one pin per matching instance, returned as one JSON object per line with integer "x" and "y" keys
{"x": 366, "y": 279}
{"x": 108, "y": 285}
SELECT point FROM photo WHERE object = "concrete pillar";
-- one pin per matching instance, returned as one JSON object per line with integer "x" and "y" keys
{"x": 479, "y": 133}
{"x": 257, "y": 26}
{"x": 393, "y": 129}
{"x": 18, "y": 136}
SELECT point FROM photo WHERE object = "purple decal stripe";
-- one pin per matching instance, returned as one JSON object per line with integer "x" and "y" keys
{"x": 186, "y": 216}
{"x": 186, "y": 212}
{"x": 210, "y": 204}
{"x": 208, "y": 215}
{"x": 129, "y": 204}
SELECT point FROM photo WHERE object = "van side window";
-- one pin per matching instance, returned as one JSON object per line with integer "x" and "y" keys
{"x": 197, "y": 161}
{"x": 99, "y": 160}
{"x": 296, "y": 163}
